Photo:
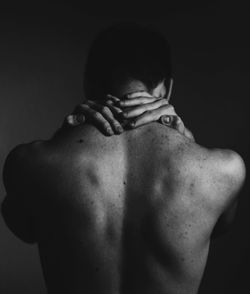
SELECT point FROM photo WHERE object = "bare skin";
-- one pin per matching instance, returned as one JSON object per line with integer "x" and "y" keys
{"x": 132, "y": 213}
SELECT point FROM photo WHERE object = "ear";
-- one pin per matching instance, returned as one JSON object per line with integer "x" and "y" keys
{"x": 170, "y": 89}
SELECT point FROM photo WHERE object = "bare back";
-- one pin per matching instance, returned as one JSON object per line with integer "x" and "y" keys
{"x": 124, "y": 214}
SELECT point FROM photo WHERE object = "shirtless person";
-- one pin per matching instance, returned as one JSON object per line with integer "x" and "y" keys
{"x": 131, "y": 213}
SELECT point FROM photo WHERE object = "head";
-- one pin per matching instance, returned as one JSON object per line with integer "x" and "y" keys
{"x": 127, "y": 58}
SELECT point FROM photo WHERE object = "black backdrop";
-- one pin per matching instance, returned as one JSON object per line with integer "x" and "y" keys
{"x": 42, "y": 53}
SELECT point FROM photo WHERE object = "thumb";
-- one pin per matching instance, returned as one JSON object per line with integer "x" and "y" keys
{"x": 167, "y": 120}
{"x": 174, "y": 122}
{"x": 75, "y": 119}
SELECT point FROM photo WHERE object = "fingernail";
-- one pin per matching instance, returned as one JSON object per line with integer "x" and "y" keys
{"x": 112, "y": 97}
{"x": 166, "y": 119}
{"x": 70, "y": 120}
{"x": 110, "y": 131}
{"x": 119, "y": 129}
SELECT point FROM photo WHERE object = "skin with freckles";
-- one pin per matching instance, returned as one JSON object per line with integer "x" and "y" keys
{"x": 125, "y": 214}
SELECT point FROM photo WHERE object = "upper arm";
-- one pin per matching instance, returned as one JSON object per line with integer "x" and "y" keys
{"x": 219, "y": 175}
{"x": 15, "y": 207}
{"x": 225, "y": 220}
{"x": 233, "y": 172}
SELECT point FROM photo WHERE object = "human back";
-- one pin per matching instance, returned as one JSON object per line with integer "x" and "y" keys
{"x": 123, "y": 214}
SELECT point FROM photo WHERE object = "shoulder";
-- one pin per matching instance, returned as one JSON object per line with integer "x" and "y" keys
{"x": 230, "y": 163}
{"x": 210, "y": 162}
{"x": 228, "y": 176}
{"x": 228, "y": 171}
{"x": 23, "y": 152}
{"x": 192, "y": 158}
{"x": 219, "y": 174}
{"x": 18, "y": 164}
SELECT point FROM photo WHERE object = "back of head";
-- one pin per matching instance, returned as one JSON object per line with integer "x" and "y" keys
{"x": 126, "y": 50}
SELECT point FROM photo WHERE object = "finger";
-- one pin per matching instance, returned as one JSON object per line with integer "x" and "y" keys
{"x": 136, "y": 111}
{"x": 188, "y": 134}
{"x": 178, "y": 125}
{"x": 170, "y": 89}
{"x": 97, "y": 118}
{"x": 170, "y": 120}
{"x": 81, "y": 108}
{"x": 152, "y": 115}
{"x": 113, "y": 98}
{"x": 115, "y": 110}
{"x": 136, "y": 101}
{"x": 110, "y": 104}
{"x": 108, "y": 115}
{"x": 137, "y": 94}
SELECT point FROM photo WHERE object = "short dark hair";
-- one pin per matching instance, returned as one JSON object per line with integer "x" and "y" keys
{"x": 140, "y": 52}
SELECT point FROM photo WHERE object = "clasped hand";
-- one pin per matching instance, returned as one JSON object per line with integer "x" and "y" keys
{"x": 136, "y": 109}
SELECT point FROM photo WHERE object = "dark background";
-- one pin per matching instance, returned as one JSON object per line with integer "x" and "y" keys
{"x": 42, "y": 54}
